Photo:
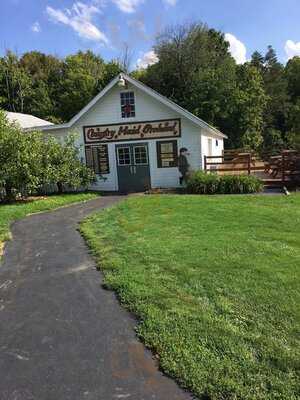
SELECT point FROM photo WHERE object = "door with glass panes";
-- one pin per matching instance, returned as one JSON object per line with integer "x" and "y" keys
{"x": 133, "y": 167}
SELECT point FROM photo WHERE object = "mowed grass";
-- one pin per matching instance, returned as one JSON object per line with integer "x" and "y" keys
{"x": 11, "y": 212}
{"x": 215, "y": 284}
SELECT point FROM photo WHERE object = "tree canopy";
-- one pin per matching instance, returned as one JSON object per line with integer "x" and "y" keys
{"x": 49, "y": 87}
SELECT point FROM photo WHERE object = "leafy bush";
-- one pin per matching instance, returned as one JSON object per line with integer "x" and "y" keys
{"x": 202, "y": 183}
{"x": 28, "y": 161}
{"x": 62, "y": 166}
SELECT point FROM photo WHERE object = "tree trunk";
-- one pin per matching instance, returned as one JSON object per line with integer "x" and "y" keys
{"x": 9, "y": 196}
{"x": 60, "y": 187}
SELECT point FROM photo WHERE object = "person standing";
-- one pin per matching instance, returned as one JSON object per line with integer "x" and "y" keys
{"x": 183, "y": 165}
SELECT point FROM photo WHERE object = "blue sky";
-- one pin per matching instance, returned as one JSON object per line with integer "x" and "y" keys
{"x": 62, "y": 27}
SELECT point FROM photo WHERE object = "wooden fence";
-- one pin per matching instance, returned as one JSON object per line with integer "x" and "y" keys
{"x": 274, "y": 170}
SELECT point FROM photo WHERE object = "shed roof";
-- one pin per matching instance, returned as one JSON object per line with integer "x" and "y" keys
{"x": 26, "y": 120}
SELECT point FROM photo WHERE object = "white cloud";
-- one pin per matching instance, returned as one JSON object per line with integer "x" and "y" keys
{"x": 237, "y": 48}
{"x": 292, "y": 49}
{"x": 148, "y": 58}
{"x": 36, "y": 27}
{"x": 137, "y": 24}
{"x": 79, "y": 18}
{"x": 128, "y": 6}
{"x": 171, "y": 2}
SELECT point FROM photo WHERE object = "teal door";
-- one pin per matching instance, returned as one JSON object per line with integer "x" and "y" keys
{"x": 133, "y": 167}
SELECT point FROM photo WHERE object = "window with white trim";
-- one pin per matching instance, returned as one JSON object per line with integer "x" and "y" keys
{"x": 167, "y": 154}
{"x": 127, "y": 104}
{"x": 140, "y": 155}
{"x": 124, "y": 157}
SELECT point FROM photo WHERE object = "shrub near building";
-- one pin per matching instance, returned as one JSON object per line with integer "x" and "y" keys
{"x": 202, "y": 183}
{"x": 28, "y": 162}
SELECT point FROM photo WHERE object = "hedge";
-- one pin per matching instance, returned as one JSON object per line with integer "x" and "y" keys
{"x": 210, "y": 183}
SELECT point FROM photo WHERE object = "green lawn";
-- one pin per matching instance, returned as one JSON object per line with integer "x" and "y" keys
{"x": 215, "y": 284}
{"x": 12, "y": 212}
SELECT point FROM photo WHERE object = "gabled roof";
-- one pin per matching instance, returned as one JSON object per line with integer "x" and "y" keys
{"x": 162, "y": 99}
{"x": 26, "y": 121}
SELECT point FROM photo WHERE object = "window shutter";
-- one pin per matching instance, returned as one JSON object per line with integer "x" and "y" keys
{"x": 175, "y": 153}
{"x": 95, "y": 160}
{"x": 158, "y": 151}
{"x": 89, "y": 157}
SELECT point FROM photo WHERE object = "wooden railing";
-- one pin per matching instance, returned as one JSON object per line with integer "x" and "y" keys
{"x": 281, "y": 169}
{"x": 238, "y": 164}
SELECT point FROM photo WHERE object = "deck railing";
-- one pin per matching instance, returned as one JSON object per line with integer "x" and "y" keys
{"x": 280, "y": 169}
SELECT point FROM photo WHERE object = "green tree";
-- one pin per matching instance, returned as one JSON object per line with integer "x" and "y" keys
{"x": 276, "y": 87}
{"x": 62, "y": 165}
{"x": 51, "y": 88}
{"x": 82, "y": 79}
{"x": 20, "y": 159}
{"x": 250, "y": 103}
{"x": 112, "y": 69}
{"x": 15, "y": 84}
{"x": 292, "y": 72}
{"x": 278, "y": 102}
{"x": 258, "y": 60}
{"x": 46, "y": 73}
{"x": 196, "y": 70}
{"x": 270, "y": 58}
{"x": 30, "y": 161}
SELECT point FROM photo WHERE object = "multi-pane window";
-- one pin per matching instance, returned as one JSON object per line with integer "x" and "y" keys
{"x": 140, "y": 155}
{"x": 127, "y": 104}
{"x": 124, "y": 156}
{"x": 167, "y": 154}
{"x": 97, "y": 158}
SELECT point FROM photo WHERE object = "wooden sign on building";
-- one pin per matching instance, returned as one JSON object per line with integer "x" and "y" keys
{"x": 133, "y": 131}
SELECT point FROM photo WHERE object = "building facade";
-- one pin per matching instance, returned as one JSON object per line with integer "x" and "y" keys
{"x": 132, "y": 136}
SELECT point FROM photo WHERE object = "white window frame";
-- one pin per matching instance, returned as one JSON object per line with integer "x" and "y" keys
{"x": 134, "y": 94}
{"x": 146, "y": 148}
{"x": 124, "y": 165}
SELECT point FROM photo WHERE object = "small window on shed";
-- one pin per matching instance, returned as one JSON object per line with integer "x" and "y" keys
{"x": 217, "y": 143}
{"x": 166, "y": 154}
{"x": 127, "y": 104}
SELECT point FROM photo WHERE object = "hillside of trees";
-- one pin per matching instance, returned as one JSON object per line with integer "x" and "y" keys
{"x": 256, "y": 104}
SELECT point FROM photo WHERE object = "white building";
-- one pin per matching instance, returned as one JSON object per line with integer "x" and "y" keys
{"x": 131, "y": 136}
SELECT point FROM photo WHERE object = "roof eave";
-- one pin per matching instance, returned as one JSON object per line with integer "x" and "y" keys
{"x": 47, "y": 127}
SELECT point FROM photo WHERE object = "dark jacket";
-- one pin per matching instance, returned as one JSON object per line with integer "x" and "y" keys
{"x": 183, "y": 165}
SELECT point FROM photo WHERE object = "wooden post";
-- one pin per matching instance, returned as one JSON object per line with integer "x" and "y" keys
{"x": 205, "y": 164}
{"x": 283, "y": 167}
{"x": 249, "y": 164}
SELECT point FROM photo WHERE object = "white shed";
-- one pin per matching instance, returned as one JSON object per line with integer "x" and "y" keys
{"x": 131, "y": 136}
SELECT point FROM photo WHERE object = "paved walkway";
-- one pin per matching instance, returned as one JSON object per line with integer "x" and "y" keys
{"x": 63, "y": 337}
